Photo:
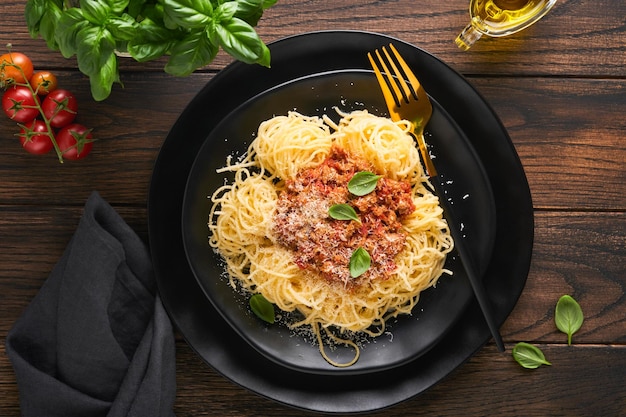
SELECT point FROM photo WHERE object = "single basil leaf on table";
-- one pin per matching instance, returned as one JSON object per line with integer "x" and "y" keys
{"x": 360, "y": 262}
{"x": 363, "y": 183}
{"x": 262, "y": 308}
{"x": 568, "y": 316}
{"x": 343, "y": 212}
{"x": 529, "y": 356}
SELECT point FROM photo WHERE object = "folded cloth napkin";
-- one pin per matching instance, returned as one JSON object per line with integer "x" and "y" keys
{"x": 95, "y": 340}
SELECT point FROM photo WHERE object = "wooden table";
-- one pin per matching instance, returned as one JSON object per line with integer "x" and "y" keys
{"x": 558, "y": 87}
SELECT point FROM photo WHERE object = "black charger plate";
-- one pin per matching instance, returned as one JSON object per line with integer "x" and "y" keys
{"x": 466, "y": 187}
{"x": 218, "y": 344}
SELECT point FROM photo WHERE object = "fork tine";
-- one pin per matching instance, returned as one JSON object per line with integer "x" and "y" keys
{"x": 420, "y": 93}
{"x": 407, "y": 91}
{"x": 386, "y": 81}
{"x": 387, "y": 94}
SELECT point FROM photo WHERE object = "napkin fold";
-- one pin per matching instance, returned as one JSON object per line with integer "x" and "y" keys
{"x": 96, "y": 340}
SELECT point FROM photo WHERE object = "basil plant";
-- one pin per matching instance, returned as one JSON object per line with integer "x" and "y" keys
{"x": 190, "y": 32}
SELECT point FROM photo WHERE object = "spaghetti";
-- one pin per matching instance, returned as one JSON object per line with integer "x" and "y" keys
{"x": 271, "y": 223}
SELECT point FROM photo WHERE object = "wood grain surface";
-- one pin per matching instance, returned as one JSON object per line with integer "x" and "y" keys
{"x": 559, "y": 88}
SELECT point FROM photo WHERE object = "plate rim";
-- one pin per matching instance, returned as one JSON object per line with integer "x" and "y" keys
{"x": 407, "y": 384}
{"x": 194, "y": 212}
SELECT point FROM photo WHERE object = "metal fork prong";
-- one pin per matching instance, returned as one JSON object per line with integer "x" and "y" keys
{"x": 390, "y": 81}
{"x": 407, "y": 91}
{"x": 415, "y": 84}
{"x": 390, "y": 98}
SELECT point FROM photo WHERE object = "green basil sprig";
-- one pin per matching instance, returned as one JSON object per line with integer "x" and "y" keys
{"x": 360, "y": 262}
{"x": 262, "y": 308}
{"x": 568, "y": 316}
{"x": 343, "y": 212}
{"x": 529, "y": 356}
{"x": 363, "y": 183}
{"x": 190, "y": 32}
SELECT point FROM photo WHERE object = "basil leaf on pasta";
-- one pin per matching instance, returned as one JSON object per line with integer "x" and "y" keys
{"x": 359, "y": 262}
{"x": 363, "y": 183}
{"x": 343, "y": 212}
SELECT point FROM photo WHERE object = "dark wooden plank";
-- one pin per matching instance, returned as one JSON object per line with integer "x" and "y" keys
{"x": 578, "y": 37}
{"x": 568, "y": 132}
{"x": 488, "y": 384}
{"x": 129, "y": 128}
{"x": 569, "y": 135}
{"x": 34, "y": 238}
{"x": 583, "y": 255}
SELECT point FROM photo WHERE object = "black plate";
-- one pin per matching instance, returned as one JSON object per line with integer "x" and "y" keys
{"x": 218, "y": 344}
{"x": 467, "y": 187}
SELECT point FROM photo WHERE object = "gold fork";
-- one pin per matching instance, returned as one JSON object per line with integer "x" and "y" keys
{"x": 409, "y": 101}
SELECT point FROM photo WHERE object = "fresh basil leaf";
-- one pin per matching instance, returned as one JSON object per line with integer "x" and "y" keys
{"x": 363, "y": 183}
{"x": 343, "y": 212}
{"x": 251, "y": 11}
{"x": 137, "y": 8}
{"x": 42, "y": 17}
{"x": 151, "y": 41}
{"x": 190, "y": 14}
{"x": 70, "y": 23}
{"x": 118, "y": 6}
{"x": 529, "y": 356}
{"x": 360, "y": 262}
{"x": 241, "y": 41}
{"x": 122, "y": 27}
{"x": 94, "y": 47}
{"x": 33, "y": 12}
{"x": 225, "y": 11}
{"x": 190, "y": 53}
{"x": 102, "y": 81}
{"x": 262, "y": 308}
{"x": 48, "y": 25}
{"x": 95, "y": 11}
{"x": 568, "y": 316}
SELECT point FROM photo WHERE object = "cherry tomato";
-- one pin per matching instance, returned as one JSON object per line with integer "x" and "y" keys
{"x": 35, "y": 139}
{"x": 19, "y": 104}
{"x": 75, "y": 141}
{"x": 9, "y": 73}
{"x": 43, "y": 82}
{"x": 60, "y": 107}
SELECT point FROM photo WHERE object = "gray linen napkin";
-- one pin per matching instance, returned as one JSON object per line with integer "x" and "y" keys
{"x": 95, "y": 340}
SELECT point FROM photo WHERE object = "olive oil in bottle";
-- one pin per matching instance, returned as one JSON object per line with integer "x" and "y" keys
{"x": 500, "y": 18}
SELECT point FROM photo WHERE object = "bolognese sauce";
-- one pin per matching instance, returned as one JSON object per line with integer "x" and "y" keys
{"x": 320, "y": 243}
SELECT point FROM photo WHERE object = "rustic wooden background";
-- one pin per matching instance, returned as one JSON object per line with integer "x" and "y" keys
{"x": 559, "y": 88}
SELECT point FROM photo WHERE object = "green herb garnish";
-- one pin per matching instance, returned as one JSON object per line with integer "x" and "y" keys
{"x": 568, "y": 316}
{"x": 359, "y": 262}
{"x": 189, "y": 32}
{"x": 363, "y": 183}
{"x": 343, "y": 212}
{"x": 529, "y": 356}
{"x": 262, "y": 308}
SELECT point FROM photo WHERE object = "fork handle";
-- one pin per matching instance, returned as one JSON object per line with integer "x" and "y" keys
{"x": 468, "y": 263}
